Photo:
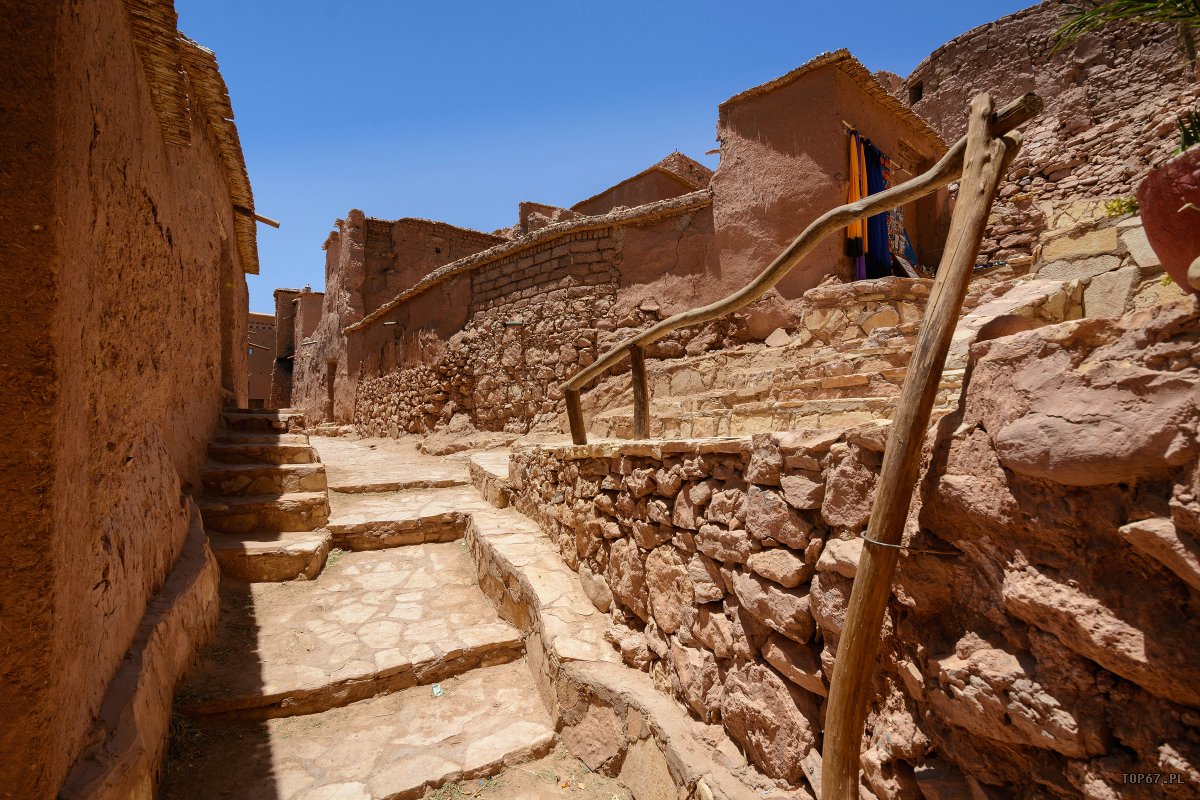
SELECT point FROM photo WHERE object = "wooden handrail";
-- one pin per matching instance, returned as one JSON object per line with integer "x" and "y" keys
{"x": 989, "y": 152}
{"x": 945, "y": 172}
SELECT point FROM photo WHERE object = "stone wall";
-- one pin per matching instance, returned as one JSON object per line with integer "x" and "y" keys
{"x": 533, "y": 314}
{"x": 1111, "y": 103}
{"x": 1047, "y": 641}
{"x": 125, "y": 325}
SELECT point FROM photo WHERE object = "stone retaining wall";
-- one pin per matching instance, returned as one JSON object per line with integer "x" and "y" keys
{"x": 1050, "y": 643}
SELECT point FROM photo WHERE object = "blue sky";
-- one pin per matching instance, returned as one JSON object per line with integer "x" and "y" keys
{"x": 457, "y": 111}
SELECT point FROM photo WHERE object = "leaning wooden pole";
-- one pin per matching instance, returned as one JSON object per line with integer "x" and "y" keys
{"x": 986, "y": 159}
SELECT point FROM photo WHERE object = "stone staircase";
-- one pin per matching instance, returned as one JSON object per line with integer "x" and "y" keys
{"x": 844, "y": 367}
{"x": 265, "y": 503}
{"x": 386, "y": 674}
{"x": 757, "y": 388}
{"x": 450, "y": 644}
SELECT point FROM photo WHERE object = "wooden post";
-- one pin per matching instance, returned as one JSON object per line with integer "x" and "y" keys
{"x": 641, "y": 392}
{"x": 985, "y": 162}
{"x": 575, "y": 417}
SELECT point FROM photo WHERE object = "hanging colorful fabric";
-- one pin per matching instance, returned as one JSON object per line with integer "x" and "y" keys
{"x": 854, "y": 231}
{"x": 879, "y": 254}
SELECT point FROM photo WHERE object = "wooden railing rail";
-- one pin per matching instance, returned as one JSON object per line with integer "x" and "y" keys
{"x": 945, "y": 172}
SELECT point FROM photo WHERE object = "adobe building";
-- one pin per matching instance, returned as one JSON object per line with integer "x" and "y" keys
{"x": 128, "y": 226}
{"x": 675, "y": 175}
{"x": 492, "y": 323}
{"x": 297, "y": 312}
{"x": 784, "y": 162}
{"x": 260, "y": 359}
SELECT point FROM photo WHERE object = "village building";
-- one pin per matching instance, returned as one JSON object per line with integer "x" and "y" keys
{"x": 260, "y": 359}
{"x": 424, "y": 565}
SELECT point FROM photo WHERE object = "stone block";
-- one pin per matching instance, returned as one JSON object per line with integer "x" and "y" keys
{"x": 1080, "y": 269}
{"x": 646, "y": 774}
{"x": 1135, "y": 241}
{"x": 1092, "y": 243}
{"x": 1110, "y": 294}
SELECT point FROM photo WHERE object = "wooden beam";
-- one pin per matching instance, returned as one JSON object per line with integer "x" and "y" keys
{"x": 575, "y": 417}
{"x": 985, "y": 160}
{"x": 641, "y": 392}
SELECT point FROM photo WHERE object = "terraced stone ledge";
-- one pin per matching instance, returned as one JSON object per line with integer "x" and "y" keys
{"x": 612, "y": 717}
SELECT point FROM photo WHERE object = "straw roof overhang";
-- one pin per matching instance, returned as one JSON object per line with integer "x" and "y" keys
{"x": 184, "y": 79}
{"x": 859, "y": 74}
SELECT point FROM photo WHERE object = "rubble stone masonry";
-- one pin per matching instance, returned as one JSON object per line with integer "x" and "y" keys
{"x": 1112, "y": 100}
{"x": 1008, "y": 659}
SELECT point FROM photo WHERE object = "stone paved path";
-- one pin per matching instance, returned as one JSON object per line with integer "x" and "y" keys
{"x": 371, "y": 622}
{"x": 321, "y": 689}
{"x": 394, "y": 746}
{"x": 380, "y": 465}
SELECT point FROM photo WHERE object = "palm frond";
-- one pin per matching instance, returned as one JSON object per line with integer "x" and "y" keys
{"x": 1091, "y": 16}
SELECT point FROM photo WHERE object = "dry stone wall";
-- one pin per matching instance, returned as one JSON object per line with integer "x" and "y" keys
{"x": 1111, "y": 103}
{"x": 1048, "y": 646}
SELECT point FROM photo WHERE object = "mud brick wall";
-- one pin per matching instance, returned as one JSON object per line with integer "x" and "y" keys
{"x": 1009, "y": 659}
{"x": 534, "y": 319}
{"x": 125, "y": 326}
{"x": 530, "y": 319}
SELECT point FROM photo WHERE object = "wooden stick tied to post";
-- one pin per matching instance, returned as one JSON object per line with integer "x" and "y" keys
{"x": 985, "y": 162}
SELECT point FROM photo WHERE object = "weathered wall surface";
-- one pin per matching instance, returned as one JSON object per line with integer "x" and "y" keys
{"x": 368, "y": 262}
{"x": 784, "y": 162}
{"x": 648, "y": 187}
{"x": 119, "y": 348}
{"x": 285, "y": 348}
{"x": 1111, "y": 103}
{"x": 260, "y": 359}
{"x": 1009, "y": 660}
{"x": 529, "y": 319}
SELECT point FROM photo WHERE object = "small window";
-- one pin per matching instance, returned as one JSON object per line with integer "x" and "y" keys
{"x": 249, "y": 351}
{"x": 916, "y": 92}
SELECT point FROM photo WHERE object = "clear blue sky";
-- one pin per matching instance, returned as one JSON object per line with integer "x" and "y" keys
{"x": 457, "y": 111}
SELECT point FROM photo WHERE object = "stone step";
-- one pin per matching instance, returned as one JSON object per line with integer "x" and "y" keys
{"x": 672, "y": 421}
{"x": 369, "y": 624}
{"x": 376, "y": 520}
{"x": 296, "y": 511}
{"x": 249, "y": 437}
{"x": 398, "y": 746}
{"x": 253, "y": 421}
{"x": 269, "y": 555}
{"x": 243, "y": 480}
{"x": 384, "y": 465}
{"x": 262, "y": 453}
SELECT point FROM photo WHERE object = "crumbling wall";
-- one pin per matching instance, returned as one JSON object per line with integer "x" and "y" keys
{"x": 368, "y": 261}
{"x": 125, "y": 309}
{"x": 325, "y": 371}
{"x": 1111, "y": 103}
{"x": 1046, "y": 643}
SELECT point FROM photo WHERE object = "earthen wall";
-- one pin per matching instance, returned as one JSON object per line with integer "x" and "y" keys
{"x": 784, "y": 162}
{"x": 530, "y": 319}
{"x": 126, "y": 309}
{"x": 260, "y": 358}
